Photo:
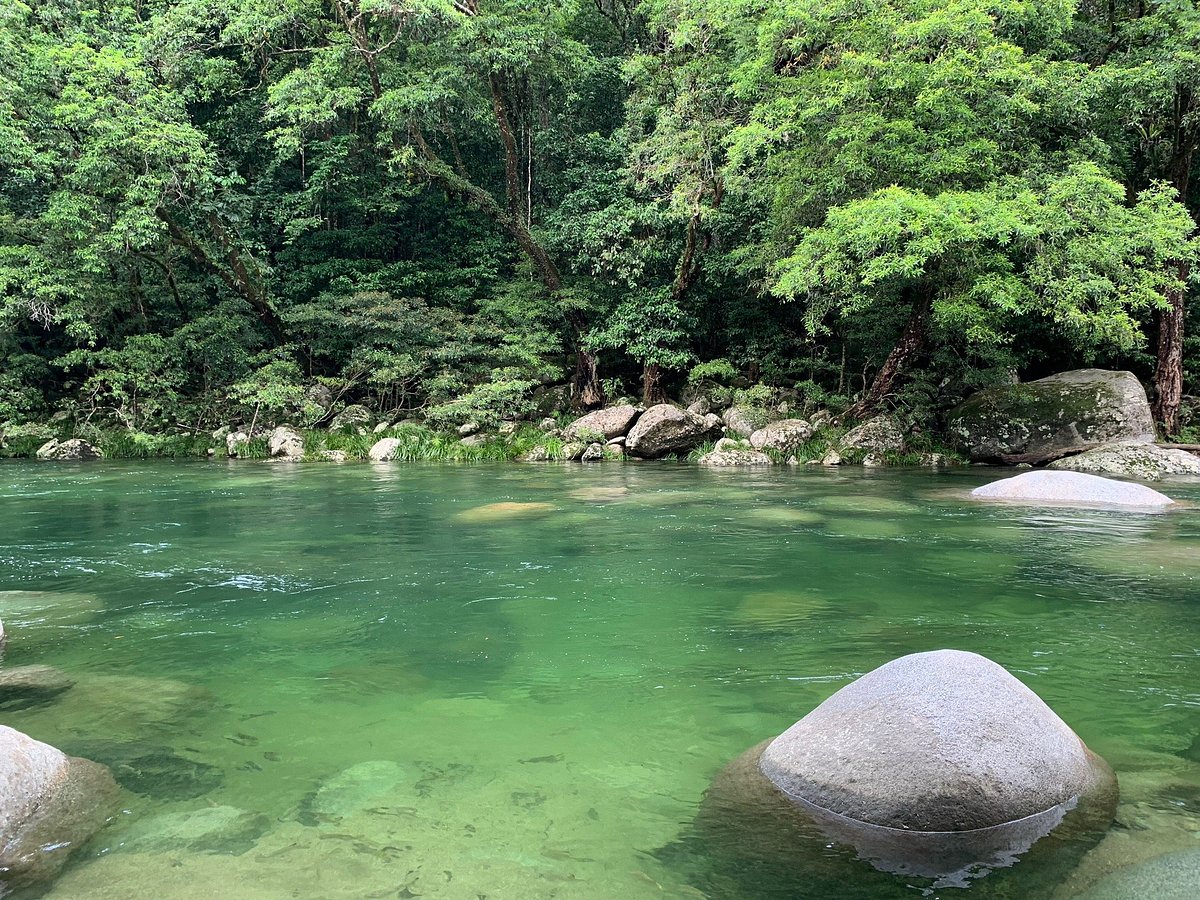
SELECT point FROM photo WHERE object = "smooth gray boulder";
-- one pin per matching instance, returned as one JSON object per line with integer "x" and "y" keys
{"x": 946, "y": 741}
{"x": 50, "y": 803}
{"x": 609, "y": 423}
{"x": 1146, "y": 461}
{"x": 664, "y": 429}
{"x": 786, "y": 435}
{"x": 71, "y": 450}
{"x": 1052, "y": 417}
{"x": 1055, "y": 488}
{"x": 286, "y": 442}
{"x": 735, "y": 457}
{"x": 1174, "y": 876}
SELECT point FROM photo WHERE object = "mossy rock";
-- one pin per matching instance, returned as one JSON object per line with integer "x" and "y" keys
{"x": 1046, "y": 419}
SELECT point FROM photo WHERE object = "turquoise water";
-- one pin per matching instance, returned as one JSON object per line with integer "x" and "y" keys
{"x": 531, "y": 699}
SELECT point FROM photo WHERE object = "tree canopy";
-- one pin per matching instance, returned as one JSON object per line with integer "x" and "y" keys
{"x": 448, "y": 208}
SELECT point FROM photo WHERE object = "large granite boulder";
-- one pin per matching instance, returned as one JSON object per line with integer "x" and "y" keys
{"x": 937, "y": 766}
{"x": 1043, "y": 420}
{"x": 286, "y": 442}
{"x": 73, "y": 450}
{"x": 786, "y": 435}
{"x": 941, "y": 741}
{"x": 664, "y": 429}
{"x": 882, "y": 434}
{"x": 1054, "y": 488}
{"x": 734, "y": 457}
{"x": 50, "y": 803}
{"x": 607, "y": 423}
{"x": 1146, "y": 461}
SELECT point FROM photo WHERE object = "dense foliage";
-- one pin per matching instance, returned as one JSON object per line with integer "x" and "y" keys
{"x": 213, "y": 210}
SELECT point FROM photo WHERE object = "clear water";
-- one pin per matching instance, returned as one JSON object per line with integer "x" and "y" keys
{"x": 545, "y": 692}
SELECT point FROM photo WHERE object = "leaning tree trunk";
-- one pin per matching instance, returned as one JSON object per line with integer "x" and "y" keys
{"x": 1168, "y": 372}
{"x": 911, "y": 342}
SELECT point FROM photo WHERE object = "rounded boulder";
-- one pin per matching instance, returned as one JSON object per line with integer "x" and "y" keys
{"x": 1055, "y": 488}
{"x": 946, "y": 741}
{"x": 50, "y": 803}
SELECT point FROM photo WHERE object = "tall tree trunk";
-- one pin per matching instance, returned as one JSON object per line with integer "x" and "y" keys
{"x": 1168, "y": 372}
{"x": 1168, "y": 368}
{"x": 652, "y": 386}
{"x": 911, "y": 342}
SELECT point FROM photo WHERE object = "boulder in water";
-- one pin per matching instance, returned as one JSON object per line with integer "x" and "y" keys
{"x": 939, "y": 766}
{"x": 1147, "y": 461}
{"x": 941, "y": 741}
{"x": 1058, "y": 488}
{"x": 664, "y": 429}
{"x": 503, "y": 512}
{"x": 1052, "y": 417}
{"x": 50, "y": 803}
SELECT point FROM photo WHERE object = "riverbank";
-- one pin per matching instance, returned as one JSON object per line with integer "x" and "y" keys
{"x": 419, "y": 443}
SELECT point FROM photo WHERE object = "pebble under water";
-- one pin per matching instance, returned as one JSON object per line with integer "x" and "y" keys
{"x": 507, "y": 681}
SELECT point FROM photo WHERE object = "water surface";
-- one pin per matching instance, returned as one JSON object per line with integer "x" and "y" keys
{"x": 532, "y": 700}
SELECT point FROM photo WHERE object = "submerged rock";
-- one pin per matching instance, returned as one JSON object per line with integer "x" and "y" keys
{"x": 50, "y": 803}
{"x": 153, "y": 770}
{"x": 355, "y": 789}
{"x": 609, "y": 423}
{"x": 503, "y": 512}
{"x": 735, "y": 457}
{"x": 210, "y": 829}
{"x": 73, "y": 449}
{"x": 938, "y": 766}
{"x": 25, "y": 686}
{"x": 1052, "y": 417}
{"x": 1174, "y": 876}
{"x": 664, "y": 429}
{"x": 1053, "y": 488}
{"x": 1146, "y": 461}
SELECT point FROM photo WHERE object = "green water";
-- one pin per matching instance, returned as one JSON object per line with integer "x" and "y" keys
{"x": 545, "y": 692}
